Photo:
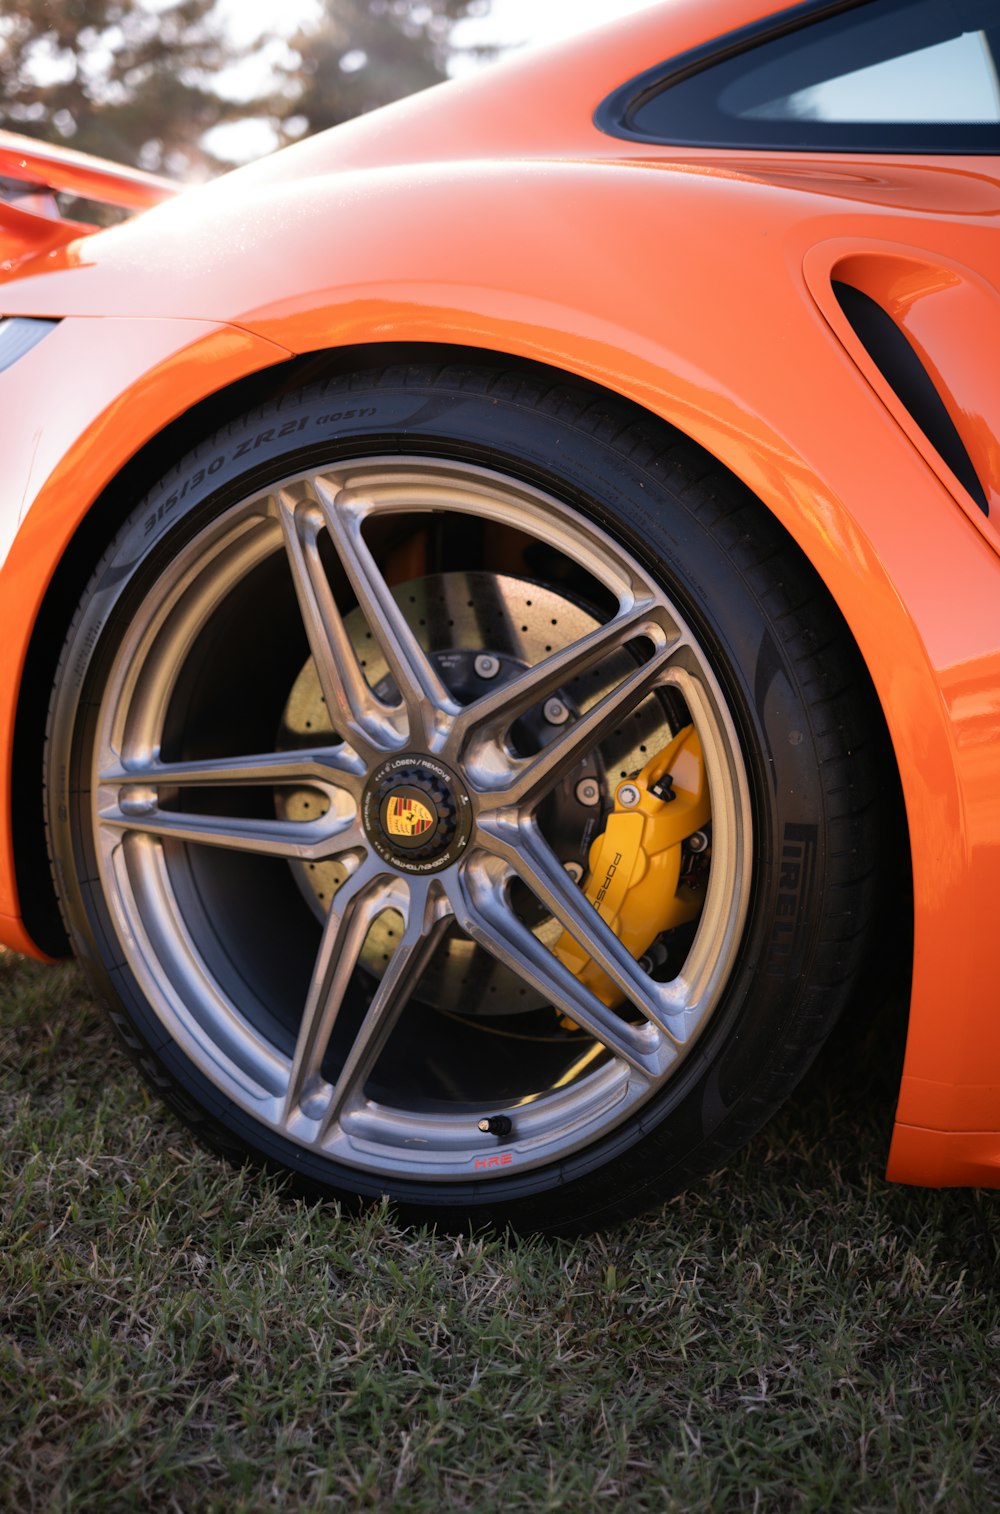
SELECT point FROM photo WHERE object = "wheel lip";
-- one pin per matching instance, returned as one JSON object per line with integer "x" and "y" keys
{"x": 609, "y": 1090}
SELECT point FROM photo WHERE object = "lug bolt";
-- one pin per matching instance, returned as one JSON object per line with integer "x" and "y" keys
{"x": 487, "y": 666}
{"x": 588, "y": 791}
{"x": 574, "y": 870}
{"x": 555, "y": 712}
{"x": 628, "y": 796}
{"x": 497, "y": 1125}
{"x": 697, "y": 841}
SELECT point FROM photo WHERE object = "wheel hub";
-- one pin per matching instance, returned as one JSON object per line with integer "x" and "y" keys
{"x": 416, "y": 813}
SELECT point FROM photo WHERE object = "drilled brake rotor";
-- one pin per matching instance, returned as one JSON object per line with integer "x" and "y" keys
{"x": 466, "y": 622}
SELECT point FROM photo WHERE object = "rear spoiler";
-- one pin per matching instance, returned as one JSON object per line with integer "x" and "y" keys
{"x": 32, "y": 173}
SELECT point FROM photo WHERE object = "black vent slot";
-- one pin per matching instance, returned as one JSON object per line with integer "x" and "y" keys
{"x": 890, "y": 351}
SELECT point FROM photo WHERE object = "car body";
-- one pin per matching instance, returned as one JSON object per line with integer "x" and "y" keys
{"x": 523, "y": 216}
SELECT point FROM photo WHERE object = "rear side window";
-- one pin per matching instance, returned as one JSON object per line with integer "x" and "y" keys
{"x": 882, "y": 76}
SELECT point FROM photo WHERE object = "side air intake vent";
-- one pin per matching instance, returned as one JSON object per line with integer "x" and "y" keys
{"x": 891, "y": 352}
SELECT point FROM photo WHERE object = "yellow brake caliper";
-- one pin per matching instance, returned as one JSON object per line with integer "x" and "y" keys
{"x": 634, "y": 878}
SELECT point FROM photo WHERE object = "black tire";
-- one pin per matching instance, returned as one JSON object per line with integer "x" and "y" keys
{"x": 787, "y": 684}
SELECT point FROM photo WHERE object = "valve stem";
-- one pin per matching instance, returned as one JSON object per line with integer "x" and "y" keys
{"x": 497, "y": 1124}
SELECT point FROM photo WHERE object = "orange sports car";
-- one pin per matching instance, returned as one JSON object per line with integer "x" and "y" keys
{"x": 500, "y": 608}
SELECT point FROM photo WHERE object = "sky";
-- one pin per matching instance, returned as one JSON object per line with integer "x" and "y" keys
{"x": 508, "y": 23}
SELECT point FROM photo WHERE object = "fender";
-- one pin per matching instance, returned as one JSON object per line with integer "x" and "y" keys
{"x": 103, "y": 412}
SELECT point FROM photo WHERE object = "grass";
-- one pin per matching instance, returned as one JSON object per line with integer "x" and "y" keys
{"x": 178, "y": 1336}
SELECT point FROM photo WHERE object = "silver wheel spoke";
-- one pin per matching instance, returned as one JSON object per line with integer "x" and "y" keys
{"x": 420, "y": 940}
{"x": 354, "y": 710}
{"x": 355, "y": 905}
{"x": 534, "y": 862}
{"x": 533, "y": 777}
{"x": 486, "y": 722}
{"x": 339, "y": 767}
{"x": 330, "y": 835}
{"x": 482, "y": 910}
{"x": 355, "y": 908}
{"x": 428, "y": 705}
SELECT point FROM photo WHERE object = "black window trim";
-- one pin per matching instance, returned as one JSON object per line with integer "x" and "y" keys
{"x": 614, "y": 114}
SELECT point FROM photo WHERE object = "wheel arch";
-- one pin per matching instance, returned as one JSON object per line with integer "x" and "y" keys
{"x": 35, "y": 890}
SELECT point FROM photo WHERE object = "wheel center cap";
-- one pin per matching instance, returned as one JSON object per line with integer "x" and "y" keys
{"x": 416, "y": 813}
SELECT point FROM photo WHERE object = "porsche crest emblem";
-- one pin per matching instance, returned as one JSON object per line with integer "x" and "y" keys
{"x": 407, "y": 816}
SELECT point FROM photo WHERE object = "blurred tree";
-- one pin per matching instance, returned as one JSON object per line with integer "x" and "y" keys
{"x": 364, "y": 53}
{"x": 115, "y": 77}
{"x": 135, "y": 80}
